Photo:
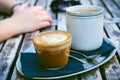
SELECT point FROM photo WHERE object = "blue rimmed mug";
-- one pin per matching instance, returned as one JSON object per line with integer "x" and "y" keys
{"x": 85, "y": 23}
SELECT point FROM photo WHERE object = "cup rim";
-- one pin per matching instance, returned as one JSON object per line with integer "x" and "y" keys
{"x": 56, "y": 46}
{"x": 76, "y": 7}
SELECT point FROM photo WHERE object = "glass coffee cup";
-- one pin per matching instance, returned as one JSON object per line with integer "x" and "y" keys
{"x": 53, "y": 48}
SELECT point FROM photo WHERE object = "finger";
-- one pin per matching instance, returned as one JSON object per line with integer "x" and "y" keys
{"x": 44, "y": 18}
{"x": 37, "y": 8}
{"x": 23, "y": 6}
{"x": 44, "y": 24}
{"x": 40, "y": 12}
{"x": 45, "y": 15}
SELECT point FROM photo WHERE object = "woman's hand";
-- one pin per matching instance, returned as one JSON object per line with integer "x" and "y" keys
{"x": 24, "y": 19}
{"x": 27, "y": 19}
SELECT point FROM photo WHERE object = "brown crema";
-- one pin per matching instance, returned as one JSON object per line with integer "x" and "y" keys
{"x": 40, "y": 42}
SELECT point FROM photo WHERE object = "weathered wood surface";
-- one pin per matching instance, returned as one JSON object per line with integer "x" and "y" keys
{"x": 8, "y": 56}
{"x": 1, "y": 44}
{"x": 109, "y": 71}
{"x": 27, "y": 43}
{"x": 112, "y": 68}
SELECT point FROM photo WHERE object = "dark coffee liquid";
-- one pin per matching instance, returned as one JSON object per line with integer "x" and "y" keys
{"x": 54, "y": 59}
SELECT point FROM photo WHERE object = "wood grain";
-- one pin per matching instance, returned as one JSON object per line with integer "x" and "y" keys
{"x": 8, "y": 55}
{"x": 9, "y": 50}
{"x": 112, "y": 67}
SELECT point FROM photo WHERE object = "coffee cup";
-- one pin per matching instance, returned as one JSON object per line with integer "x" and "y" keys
{"x": 85, "y": 23}
{"x": 52, "y": 48}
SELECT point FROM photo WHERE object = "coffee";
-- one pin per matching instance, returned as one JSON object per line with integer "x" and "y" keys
{"x": 53, "y": 48}
{"x": 85, "y": 11}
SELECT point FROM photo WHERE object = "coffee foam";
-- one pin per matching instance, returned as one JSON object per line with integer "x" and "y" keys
{"x": 52, "y": 40}
{"x": 86, "y": 11}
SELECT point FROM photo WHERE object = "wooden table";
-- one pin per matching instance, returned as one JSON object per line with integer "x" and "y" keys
{"x": 10, "y": 49}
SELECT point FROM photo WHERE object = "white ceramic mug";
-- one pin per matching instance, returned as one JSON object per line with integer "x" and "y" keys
{"x": 85, "y": 23}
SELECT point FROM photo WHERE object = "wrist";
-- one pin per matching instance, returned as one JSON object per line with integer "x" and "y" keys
{"x": 7, "y": 28}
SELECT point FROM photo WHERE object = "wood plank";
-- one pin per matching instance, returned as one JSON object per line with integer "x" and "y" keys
{"x": 61, "y": 18}
{"x": 89, "y": 75}
{"x": 30, "y": 2}
{"x": 117, "y": 2}
{"x": 114, "y": 10}
{"x": 92, "y": 75}
{"x": 7, "y": 56}
{"x": 111, "y": 28}
{"x": 16, "y": 75}
{"x": 62, "y": 22}
{"x": 106, "y": 16}
{"x": 27, "y": 43}
{"x": 116, "y": 32}
{"x": 41, "y": 3}
{"x": 108, "y": 68}
{"x": 112, "y": 69}
{"x": 70, "y": 78}
{"x": 85, "y": 2}
{"x": 8, "y": 53}
{"x": 1, "y": 44}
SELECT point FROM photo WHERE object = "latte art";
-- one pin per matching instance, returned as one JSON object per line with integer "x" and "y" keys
{"x": 51, "y": 38}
